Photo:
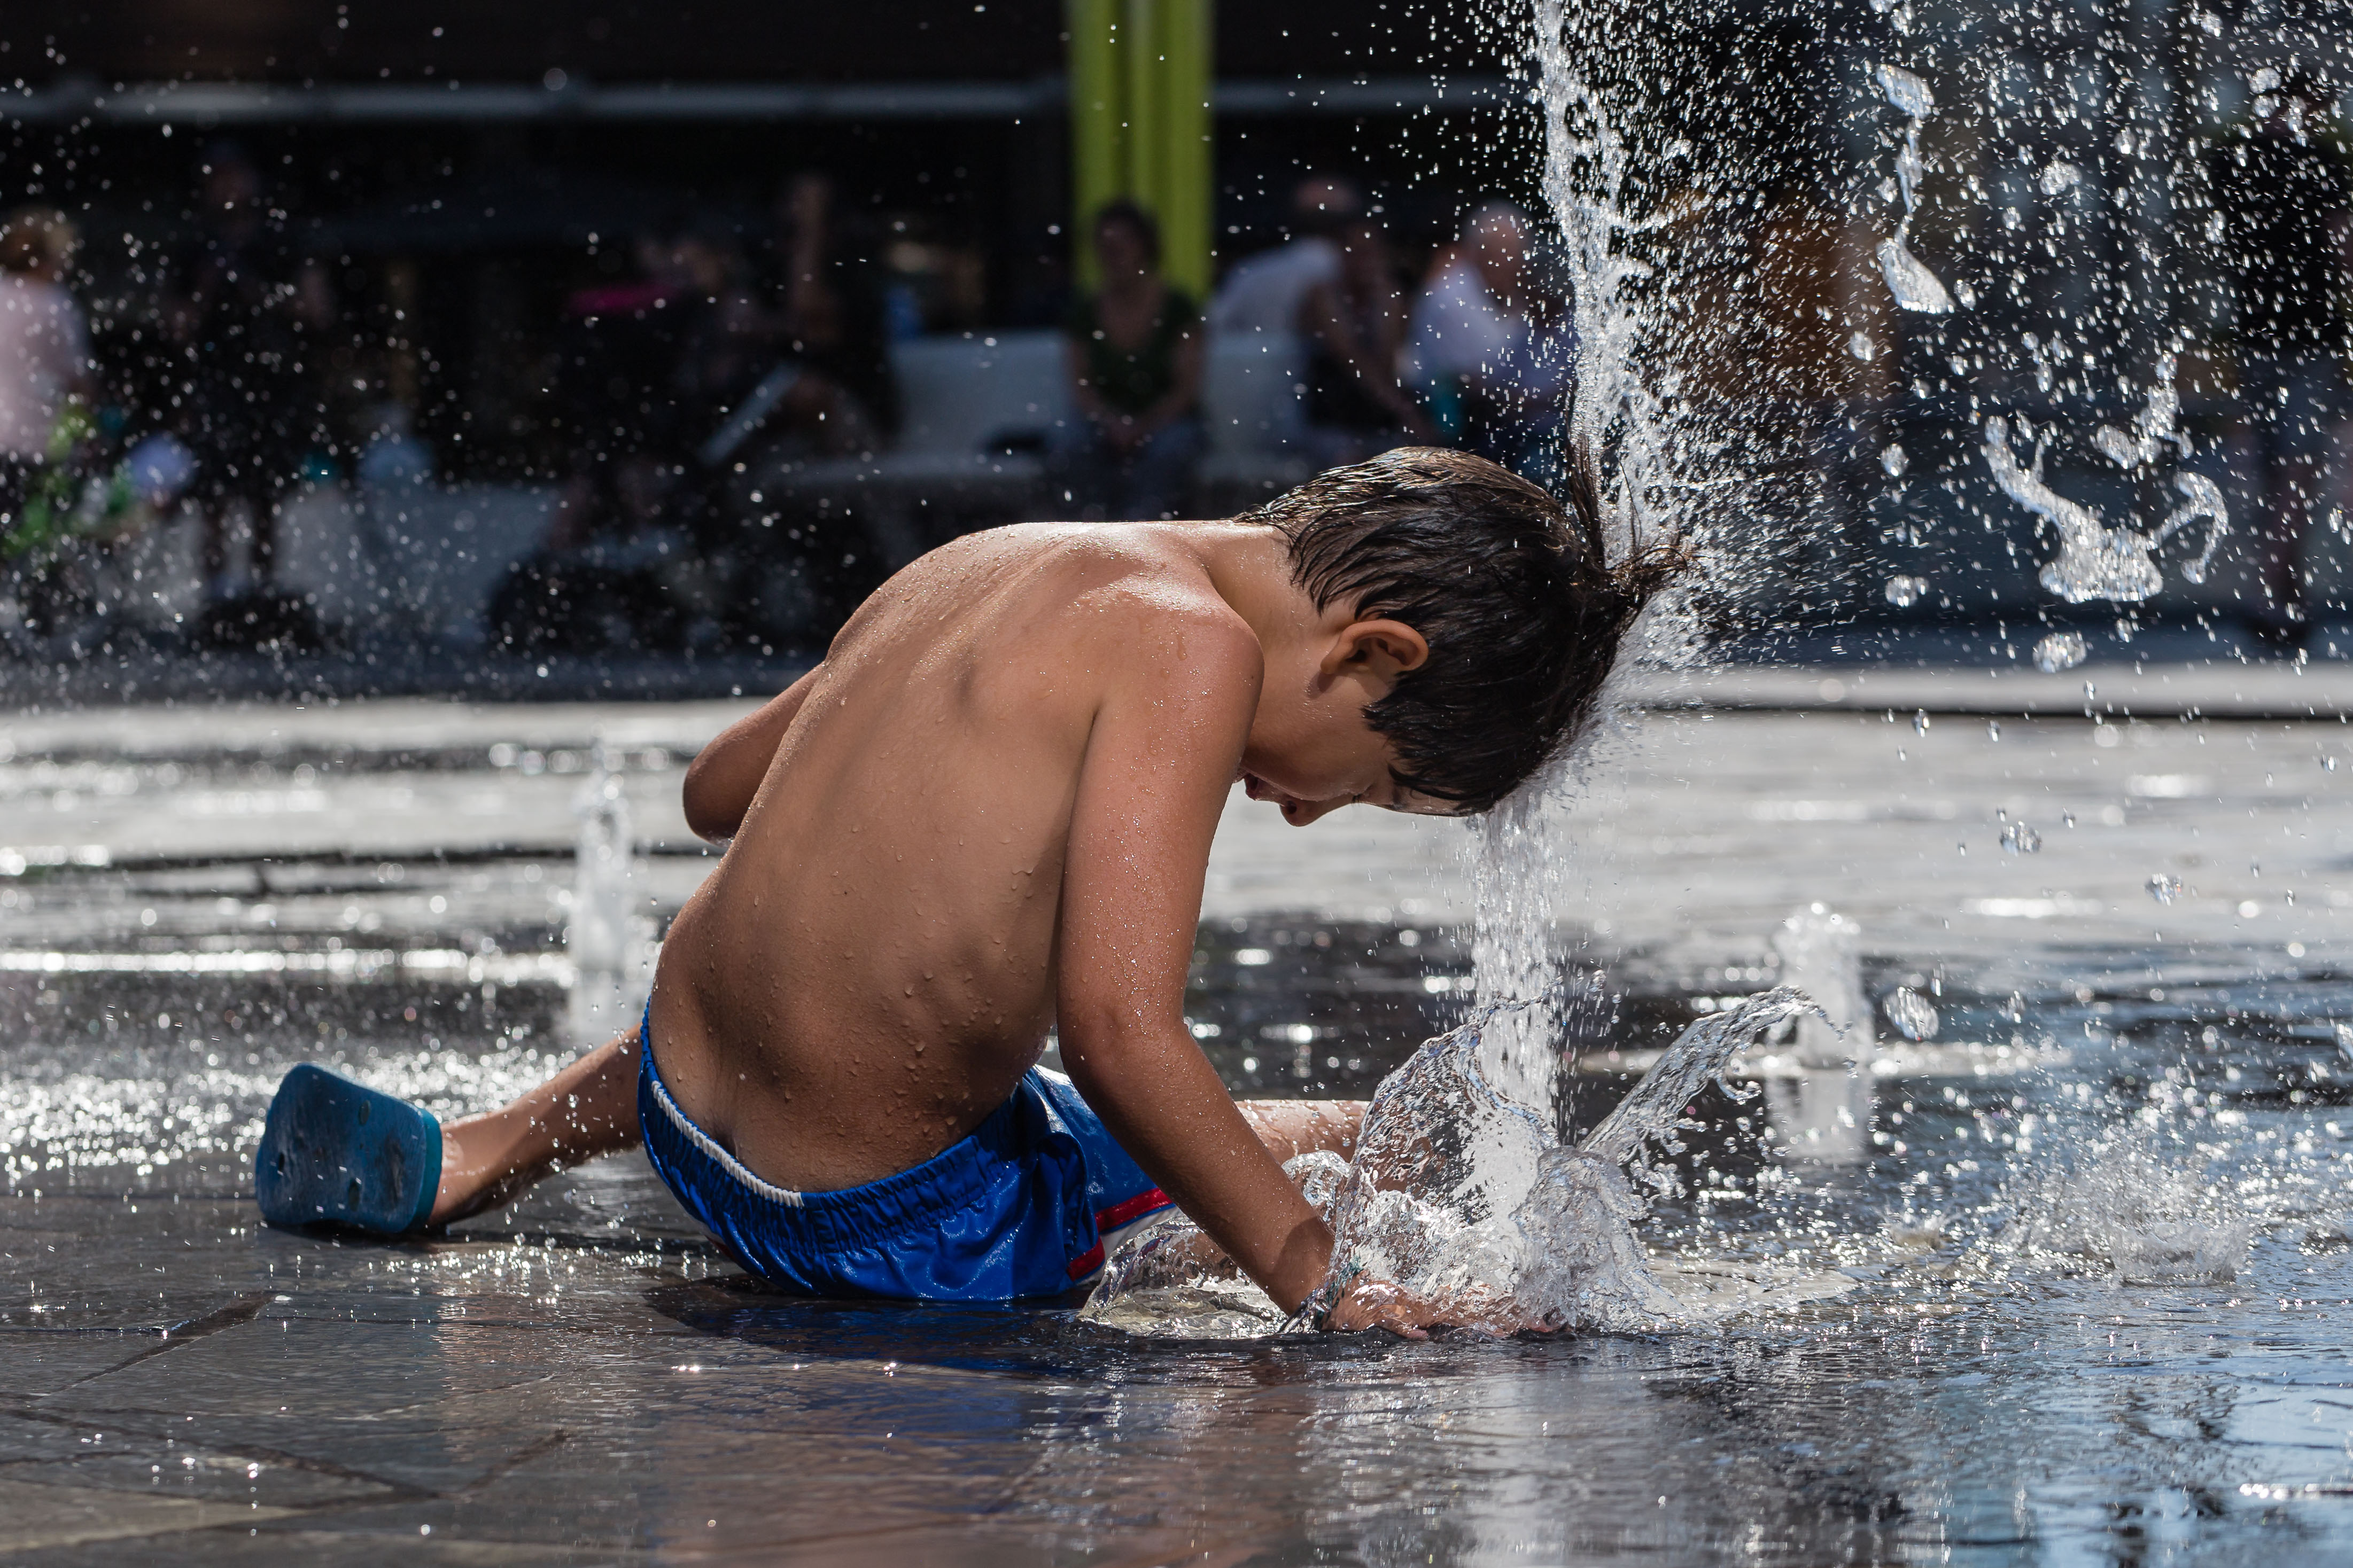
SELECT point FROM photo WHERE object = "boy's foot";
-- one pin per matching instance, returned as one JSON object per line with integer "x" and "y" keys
{"x": 338, "y": 1153}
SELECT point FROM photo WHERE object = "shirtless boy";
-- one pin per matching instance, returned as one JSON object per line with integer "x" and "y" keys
{"x": 988, "y": 815}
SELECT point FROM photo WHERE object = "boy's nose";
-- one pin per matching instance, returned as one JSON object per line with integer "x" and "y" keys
{"x": 1300, "y": 813}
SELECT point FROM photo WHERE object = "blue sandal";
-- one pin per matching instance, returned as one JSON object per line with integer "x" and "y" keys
{"x": 338, "y": 1153}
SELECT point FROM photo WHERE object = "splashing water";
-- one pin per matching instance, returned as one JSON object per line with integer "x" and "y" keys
{"x": 2153, "y": 428}
{"x": 1565, "y": 1256}
{"x": 2118, "y": 1203}
{"x": 2061, "y": 650}
{"x": 1914, "y": 1015}
{"x": 2095, "y": 562}
{"x": 2202, "y": 498}
{"x": 1417, "y": 1214}
{"x": 1914, "y": 287}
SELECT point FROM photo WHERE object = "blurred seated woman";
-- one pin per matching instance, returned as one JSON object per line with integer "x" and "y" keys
{"x": 1354, "y": 325}
{"x": 1133, "y": 357}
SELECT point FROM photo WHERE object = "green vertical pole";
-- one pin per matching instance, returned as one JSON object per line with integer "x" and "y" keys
{"x": 1186, "y": 205}
{"x": 1140, "y": 125}
{"x": 1099, "y": 140}
{"x": 1140, "y": 61}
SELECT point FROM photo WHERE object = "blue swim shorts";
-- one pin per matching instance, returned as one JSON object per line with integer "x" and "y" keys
{"x": 1026, "y": 1206}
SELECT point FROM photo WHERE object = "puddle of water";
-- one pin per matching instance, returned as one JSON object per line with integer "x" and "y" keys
{"x": 2088, "y": 1278}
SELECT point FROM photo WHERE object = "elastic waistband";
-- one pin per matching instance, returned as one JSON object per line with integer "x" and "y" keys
{"x": 909, "y": 1203}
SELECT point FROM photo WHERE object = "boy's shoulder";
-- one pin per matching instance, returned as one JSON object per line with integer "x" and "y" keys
{"x": 1133, "y": 598}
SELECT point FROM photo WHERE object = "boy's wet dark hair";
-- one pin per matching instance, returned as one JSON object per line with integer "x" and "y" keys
{"x": 1511, "y": 590}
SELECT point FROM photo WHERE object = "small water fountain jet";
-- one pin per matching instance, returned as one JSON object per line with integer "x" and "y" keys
{"x": 610, "y": 943}
{"x": 1821, "y": 1107}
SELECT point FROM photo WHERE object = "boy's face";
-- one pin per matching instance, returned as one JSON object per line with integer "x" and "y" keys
{"x": 1311, "y": 750}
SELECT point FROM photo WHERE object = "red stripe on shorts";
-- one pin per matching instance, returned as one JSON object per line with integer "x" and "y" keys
{"x": 1113, "y": 1218}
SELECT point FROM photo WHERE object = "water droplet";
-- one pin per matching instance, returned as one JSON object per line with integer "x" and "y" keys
{"x": 2163, "y": 888}
{"x": 2019, "y": 840}
{"x": 1993, "y": 729}
{"x": 2060, "y": 650}
{"x": 1903, "y": 591}
{"x": 1908, "y": 92}
{"x": 1892, "y": 459}
{"x": 2095, "y": 562}
{"x": 1920, "y": 723}
{"x": 2058, "y": 175}
{"x": 1915, "y": 287}
{"x": 1914, "y": 1015}
{"x": 1862, "y": 347}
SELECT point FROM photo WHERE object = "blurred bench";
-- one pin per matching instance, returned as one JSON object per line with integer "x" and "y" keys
{"x": 1253, "y": 406}
{"x": 979, "y": 413}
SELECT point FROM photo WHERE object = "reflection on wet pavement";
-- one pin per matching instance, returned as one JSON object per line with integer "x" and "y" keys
{"x": 2085, "y": 1302}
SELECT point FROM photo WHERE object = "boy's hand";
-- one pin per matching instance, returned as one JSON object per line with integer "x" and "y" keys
{"x": 1376, "y": 1304}
{"x": 1380, "y": 1304}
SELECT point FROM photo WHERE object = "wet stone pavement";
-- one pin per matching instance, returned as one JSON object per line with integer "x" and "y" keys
{"x": 1995, "y": 1342}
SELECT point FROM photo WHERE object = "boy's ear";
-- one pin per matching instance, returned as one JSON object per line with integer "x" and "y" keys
{"x": 1383, "y": 649}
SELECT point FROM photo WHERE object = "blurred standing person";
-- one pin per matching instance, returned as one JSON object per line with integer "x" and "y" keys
{"x": 249, "y": 313}
{"x": 2286, "y": 207}
{"x": 1265, "y": 293}
{"x": 44, "y": 369}
{"x": 1133, "y": 355}
{"x": 835, "y": 392}
{"x": 1525, "y": 402}
{"x": 1470, "y": 319}
{"x": 1356, "y": 326}
{"x": 44, "y": 361}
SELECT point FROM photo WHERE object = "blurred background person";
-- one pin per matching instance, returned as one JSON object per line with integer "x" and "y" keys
{"x": 247, "y": 311}
{"x": 1133, "y": 356}
{"x": 808, "y": 369}
{"x": 1265, "y": 293}
{"x": 833, "y": 324}
{"x": 1521, "y": 408}
{"x": 44, "y": 353}
{"x": 44, "y": 367}
{"x": 1472, "y": 312}
{"x": 1355, "y": 321}
{"x": 619, "y": 351}
{"x": 2287, "y": 205}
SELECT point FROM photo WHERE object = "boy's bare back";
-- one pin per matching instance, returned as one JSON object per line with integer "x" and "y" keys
{"x": 1026, "y": 729}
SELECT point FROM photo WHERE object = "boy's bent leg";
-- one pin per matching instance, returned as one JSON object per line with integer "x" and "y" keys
{"x": 588, "y": 1109}
{"x": 1290, "y": 1128}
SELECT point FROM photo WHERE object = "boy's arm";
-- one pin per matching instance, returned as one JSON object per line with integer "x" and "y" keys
{"x": 726, "y": 773}
{"x": 1158, "y": 765}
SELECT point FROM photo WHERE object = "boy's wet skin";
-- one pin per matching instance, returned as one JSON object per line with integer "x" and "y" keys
{"x": 988, "y": 814}
{"x": 1023, "y": 747}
